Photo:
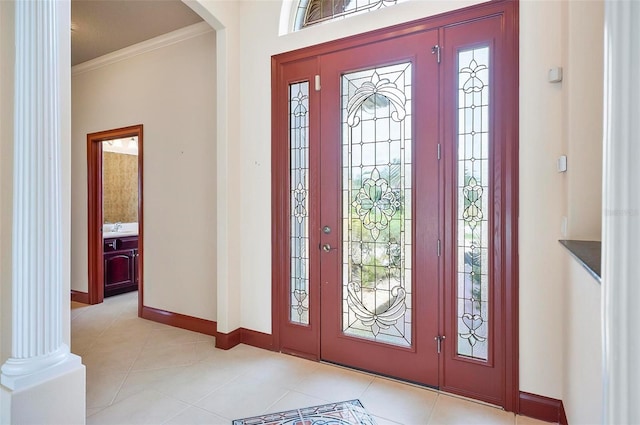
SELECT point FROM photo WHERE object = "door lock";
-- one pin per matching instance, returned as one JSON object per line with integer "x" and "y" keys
{"x": 326, "y": 230}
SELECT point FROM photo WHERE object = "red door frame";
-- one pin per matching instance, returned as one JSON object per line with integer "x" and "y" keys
{"x": 507, "y": 210}
{"x": 95, "y": 216}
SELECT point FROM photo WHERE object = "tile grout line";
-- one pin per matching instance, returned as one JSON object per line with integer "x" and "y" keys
{"x": 126, "y": 376}
{"x": 433, "y": 409}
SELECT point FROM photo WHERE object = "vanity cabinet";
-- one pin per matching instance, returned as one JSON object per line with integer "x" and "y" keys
{"x": 120, "y": 265}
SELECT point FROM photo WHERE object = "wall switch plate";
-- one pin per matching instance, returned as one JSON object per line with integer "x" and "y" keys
{"x": 562, "y": 164}
{"x": 555, "y": 74}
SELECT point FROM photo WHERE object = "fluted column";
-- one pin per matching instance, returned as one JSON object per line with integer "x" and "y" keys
{"x": 37, "y": 344}
{"x": 621, "y": 217}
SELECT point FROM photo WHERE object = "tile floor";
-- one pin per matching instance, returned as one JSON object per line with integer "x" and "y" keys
{"x": 142, "y": 372}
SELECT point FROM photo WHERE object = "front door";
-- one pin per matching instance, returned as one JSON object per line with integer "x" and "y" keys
{"x": 379, "y": 208}
{"x": 393, "y": 203}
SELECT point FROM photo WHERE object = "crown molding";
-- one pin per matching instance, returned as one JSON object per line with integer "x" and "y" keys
{"x": 146, "y": 46}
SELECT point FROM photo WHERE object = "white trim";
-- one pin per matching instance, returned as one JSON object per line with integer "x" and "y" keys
{"x": 621, "y": 215}
{"x": 143, "y": 47}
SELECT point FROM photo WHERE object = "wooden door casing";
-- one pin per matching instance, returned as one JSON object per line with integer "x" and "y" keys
{"x": 505, "y": 173}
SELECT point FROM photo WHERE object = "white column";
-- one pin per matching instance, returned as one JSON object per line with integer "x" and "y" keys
{"x": 621, "y": 216}
{"x": 38, "y": 352}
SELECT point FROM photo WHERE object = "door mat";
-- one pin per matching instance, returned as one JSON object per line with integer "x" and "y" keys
{"x": 343, "y": 413}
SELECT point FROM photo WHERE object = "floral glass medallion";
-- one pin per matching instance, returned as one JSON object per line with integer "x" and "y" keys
{"x": 376, "y": 204}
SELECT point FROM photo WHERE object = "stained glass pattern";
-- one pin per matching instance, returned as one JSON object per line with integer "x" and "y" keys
{"x": 311, "y": 12}
{"x": 376, "y": 202}
{"x": 299, "y": 177}
{"x": 473, "y": 203}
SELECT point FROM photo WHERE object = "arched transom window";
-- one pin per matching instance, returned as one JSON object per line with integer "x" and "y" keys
{"x": 315, "y": 11}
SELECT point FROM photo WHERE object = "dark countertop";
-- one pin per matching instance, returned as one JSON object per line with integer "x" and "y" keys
{"x": 588, "y": 253}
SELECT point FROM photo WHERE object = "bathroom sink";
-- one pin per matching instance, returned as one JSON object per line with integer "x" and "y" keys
{"x": 120, "y": 234}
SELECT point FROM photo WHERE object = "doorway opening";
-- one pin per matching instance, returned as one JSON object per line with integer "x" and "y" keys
{"x": 394, "y": 191}
{"x": 115, "y": 169}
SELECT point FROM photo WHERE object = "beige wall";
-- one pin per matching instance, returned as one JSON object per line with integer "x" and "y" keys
{"x": 583, "y": 87}
{"x": 542, "y": 200}
{"x": 119, "y": 187}
{"x": 171, "y": 92}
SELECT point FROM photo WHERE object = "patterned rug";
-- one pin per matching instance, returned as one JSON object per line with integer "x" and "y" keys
{"x": 343, "y": 413}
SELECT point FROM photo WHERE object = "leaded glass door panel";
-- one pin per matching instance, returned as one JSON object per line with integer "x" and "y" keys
{"x": 395, "y": 203}
{"x": 379, "y": 197}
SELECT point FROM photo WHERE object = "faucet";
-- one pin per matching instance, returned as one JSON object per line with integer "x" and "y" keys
{"x": 116, "y": 227}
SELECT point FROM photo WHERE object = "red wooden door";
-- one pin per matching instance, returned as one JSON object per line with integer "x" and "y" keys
{"x": 395, "y": 203}
{"x": 379, "y": 207}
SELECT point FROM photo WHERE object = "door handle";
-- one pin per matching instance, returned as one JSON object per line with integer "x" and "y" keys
{"x": 326, "y": 247}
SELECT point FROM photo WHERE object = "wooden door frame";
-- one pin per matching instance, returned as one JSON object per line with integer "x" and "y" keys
{"x": 509, "y": 9}
{"x": 95, "y": 215}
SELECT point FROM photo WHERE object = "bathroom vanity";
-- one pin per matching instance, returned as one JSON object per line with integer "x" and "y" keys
{"x": 120, "y": 264}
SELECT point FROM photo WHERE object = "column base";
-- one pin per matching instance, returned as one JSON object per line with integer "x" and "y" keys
{"x": 54, "y": 395}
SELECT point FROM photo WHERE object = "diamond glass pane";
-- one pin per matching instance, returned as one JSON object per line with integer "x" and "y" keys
{"x": 376, "y": 204}
{"x": 473, "y": 203}
{"x": 299, "y": 190}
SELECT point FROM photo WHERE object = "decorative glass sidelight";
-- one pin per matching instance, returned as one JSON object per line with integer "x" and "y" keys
{"x": 376, "y": 204}
{"x": 473, "y": 203}
{"x": 299, "y": 198}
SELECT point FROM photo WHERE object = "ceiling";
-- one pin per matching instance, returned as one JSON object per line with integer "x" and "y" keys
{"x": 104, "y": 26}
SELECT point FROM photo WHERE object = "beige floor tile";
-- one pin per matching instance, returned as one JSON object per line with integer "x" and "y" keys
{"x": 147, "y": 407}
{"x": 284, "y": 371}
{"x": 294, "y": 400}
{"x": 194, "y": 382}
{"x": 524, "y": 420}
{"x": 241, "y": 398}
{"x": 93, "y": 411}
{"x": 171, "y": 336}
{"x": 102, "y": 387}
{"x": 115, "y": 361}
{"x": 398, "y": 402}
{"x": 335, "y": 383}
{"x": 196, "y": 416}
{"x": 383, "y": 421}
{"x": 149, "y": 379}
{"x": 140, "y": 371}
{"x": 450, "y": 410}
{"x": 163, "y": 357}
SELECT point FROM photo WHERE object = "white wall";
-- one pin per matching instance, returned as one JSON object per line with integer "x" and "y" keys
{"x": 583, "y": 102}
{"x": 171, "y": 91}
{"x": 542, "y": 199}
{"x": 582, "y": 360}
